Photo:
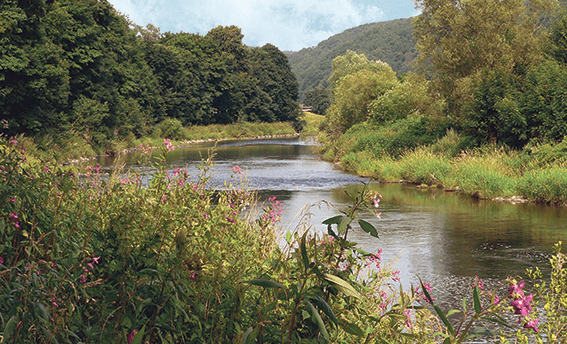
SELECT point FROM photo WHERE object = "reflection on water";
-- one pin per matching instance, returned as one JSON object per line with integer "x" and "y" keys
{"x": 444, "y": 238}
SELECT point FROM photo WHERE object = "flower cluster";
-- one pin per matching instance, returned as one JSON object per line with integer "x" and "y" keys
{"x": 168, "y": 145}
{"x": 236, "y": 170}
{"x": 521, "y": 304}
{"x": 375, "y": 200}
{"x": 90, "y": 265}
{"x": 145, "y": 150}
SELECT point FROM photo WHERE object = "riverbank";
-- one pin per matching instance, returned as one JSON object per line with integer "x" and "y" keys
{"x": 73, "y": 149}
{"x": 536, "y": 173}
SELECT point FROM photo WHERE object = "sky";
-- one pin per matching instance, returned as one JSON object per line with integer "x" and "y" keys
{"x": 287, "y": 24}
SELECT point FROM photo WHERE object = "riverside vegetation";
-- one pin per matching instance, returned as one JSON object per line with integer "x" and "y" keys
{"x": 463, "y": 119}
{"x": 88, "y": 257}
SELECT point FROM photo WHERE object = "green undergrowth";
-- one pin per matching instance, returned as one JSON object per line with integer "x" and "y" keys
{"x": 536, "y": 172}
{"x": 69, "y": 147}
{"x": 132, "y": 258}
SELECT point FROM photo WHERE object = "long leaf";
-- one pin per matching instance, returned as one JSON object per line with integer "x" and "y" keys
{"x": 345, "y": 286}
{"x": 138, "y": 336}
{"x": 351, "y": 328}
{"x": 316, "y": 317}
{"x": 497, "y": 320}
{"x": 264, "y": 283}
{"x": 345, "y": 221}
{"x": 476, "y": 299}
{"x": 368, "y": 228}
{"x": 444, "y": 320}
{"x": 250, "y": 335}
{"x": 303, "y": 248}
{"x": 10, "y": 326}
{"x": 324, "y": 306}
{"x": 335, "y": 220}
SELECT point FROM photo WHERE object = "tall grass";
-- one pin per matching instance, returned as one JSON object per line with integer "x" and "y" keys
{"x": 537, "y": 173}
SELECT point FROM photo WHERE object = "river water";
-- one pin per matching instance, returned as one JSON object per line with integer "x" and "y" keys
{"x": 443, "y": 238}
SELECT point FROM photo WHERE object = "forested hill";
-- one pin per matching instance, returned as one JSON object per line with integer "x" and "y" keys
{"x": 391, "y": 41}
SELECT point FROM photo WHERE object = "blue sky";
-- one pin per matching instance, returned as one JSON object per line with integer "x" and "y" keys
{"x": 287, "y": 24}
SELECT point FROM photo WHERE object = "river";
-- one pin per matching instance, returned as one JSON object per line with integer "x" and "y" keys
{"x": 443, "y": 238}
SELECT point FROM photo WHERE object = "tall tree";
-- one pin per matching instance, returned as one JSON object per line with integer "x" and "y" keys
{"x": 460, "y": 39}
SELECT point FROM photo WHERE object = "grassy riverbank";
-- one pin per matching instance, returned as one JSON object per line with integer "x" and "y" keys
{"x": 72, "y": 147}
{"x": 537, "y": 172}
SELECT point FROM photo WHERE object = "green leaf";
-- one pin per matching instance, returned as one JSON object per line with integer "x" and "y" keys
{"x": 138, "y": 336}
{"x": 10, "y": 327}
{"x": 351, "y": 329}
{"x": 476, "y": 299}
{"x": 335, "y": 220}
{"x": 345, "y": 221}
{"x": 464, "y": 304}
{"x": 497, "y": 320}
{"x": 304, "y": 257}
{"x": 444, "y": 320}
{"x": 316, "y": 317}
{"x": 345, "y": 286}
{"x": 288, "y": 237}
{"x": 368, "y": 228}
{"x": 453, "y": 311}
{"x": 264, "y": 283}
{"x": 324, "y": 307}
{"x": 41, "y": 311}
{"x": 250, "y": 335}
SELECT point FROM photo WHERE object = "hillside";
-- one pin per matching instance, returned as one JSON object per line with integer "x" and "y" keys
{"x": 390, "y": 41}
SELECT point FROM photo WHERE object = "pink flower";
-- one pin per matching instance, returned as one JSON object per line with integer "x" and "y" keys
{"x": 131, "y": 336}
{"x": 515, "y": 290}
{"x": 1, "y": 260}
{"x": 236, "y": 169}
{"x": 407, "y": 314}
{"x": 83, "y": 279}
{"x": 192, "y": 275}
{"x": 376, "y": 203}
{"x": 532, "y": 324}
{"x": 13, "y": 199}
{"x": 168, "y": 145}
{"x": 522, "y": 306}
{"x": 14, "y": 216}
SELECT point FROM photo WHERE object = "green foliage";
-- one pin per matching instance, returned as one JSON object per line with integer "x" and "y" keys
{"x": 355, "y": 83}
{"x": 319, "y": 99}
{"x": 172, "y": 128}
{"x": 390, "y": 41}
{"x": 78, "y": 68}
{"x": 406, "y": 98}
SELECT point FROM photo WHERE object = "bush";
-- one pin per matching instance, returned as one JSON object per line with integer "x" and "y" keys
{"x": 172, "y": 129}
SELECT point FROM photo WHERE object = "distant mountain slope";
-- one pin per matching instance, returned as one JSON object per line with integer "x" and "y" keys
{"x": 390, "y": 41}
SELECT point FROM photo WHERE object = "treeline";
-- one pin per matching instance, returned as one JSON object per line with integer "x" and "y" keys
{"x": 391, "y": 41}
{"x": 79, "y": 68}
{"x": 495, "y": 72}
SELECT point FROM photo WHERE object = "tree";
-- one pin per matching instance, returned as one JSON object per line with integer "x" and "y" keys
{"x": 319, "y": 99}
{"x": 355, "y": 82}
{"x": 272, "y": 69}
{"x": 460, "y": 39}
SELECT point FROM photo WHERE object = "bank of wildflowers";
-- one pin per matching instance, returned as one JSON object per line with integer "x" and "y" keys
{"x": 89, "y": 257}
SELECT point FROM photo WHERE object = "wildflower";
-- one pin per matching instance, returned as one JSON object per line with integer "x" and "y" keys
{"x": 192, "y": 275}
{"x": 376, "y": 203}
{"x": 236, "y": 169}
{"x": 207, "y": 216}
{"x": 13, "y": 199}
{"x": 378, "y": 215}
{"x": 1, "y": 260}
{"x": 95, "y": 260}
{"x": 478, "y": 282}
{"x": 168, "y": 145}
{"x": 407, "y": 314}
{"x": 515, "y": 291}
{"x": 131, "y": 336}
{"x": 13, "y": 141}
{"x": 54, "y": 302}
{"x": 14, "y": 216}
{"x": 532, "y": 324}
{"x": 522, "y": 306}
{"x": 83, "y": 279}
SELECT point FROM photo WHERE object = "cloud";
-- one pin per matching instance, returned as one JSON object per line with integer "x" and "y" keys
{"x": 288, "y": 24}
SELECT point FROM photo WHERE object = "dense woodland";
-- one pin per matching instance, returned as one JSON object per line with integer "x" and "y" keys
{"x": 72, "y": 68}
{"x": 390, "y": 41}
{"x": 495, "y": 72}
